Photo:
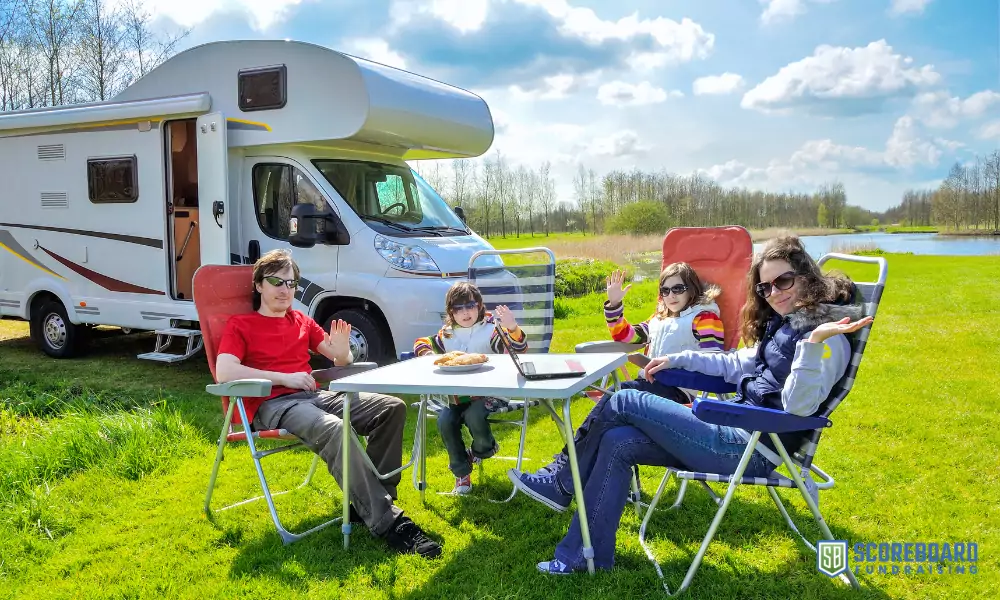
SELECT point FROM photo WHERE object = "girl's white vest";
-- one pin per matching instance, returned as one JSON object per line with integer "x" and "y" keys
{"x": 674, "y": 334}
{"x": 474, "y": 340}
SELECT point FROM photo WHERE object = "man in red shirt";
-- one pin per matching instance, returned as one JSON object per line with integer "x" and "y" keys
{"x": 274, "y": 343}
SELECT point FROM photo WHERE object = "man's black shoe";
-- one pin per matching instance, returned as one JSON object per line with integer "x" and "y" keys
{"x": 405, "y": 537}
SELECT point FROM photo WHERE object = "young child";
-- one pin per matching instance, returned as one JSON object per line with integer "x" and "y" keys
{"x": 469, "y": 328}
{"x": 686, "y": 318}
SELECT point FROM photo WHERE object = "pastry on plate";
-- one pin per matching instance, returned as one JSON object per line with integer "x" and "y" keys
{"x": 457, "y": 358}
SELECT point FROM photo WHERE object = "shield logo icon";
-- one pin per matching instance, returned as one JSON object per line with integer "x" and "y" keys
{"x": 831, "y": 557}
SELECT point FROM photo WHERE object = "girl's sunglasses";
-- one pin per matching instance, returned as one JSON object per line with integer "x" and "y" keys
{"x": 278, "y": 282}
{"x": 468, "y": 306}
{"x": 781, "y": 282}
{"x": 678, "y": 289}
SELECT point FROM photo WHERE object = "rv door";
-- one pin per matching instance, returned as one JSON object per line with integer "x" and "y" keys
{"x": 213, "y": 189}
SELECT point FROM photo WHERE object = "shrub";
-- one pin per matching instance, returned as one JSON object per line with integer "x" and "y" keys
{"x": 641, "y": 218}
{"x": 579, "y": 276}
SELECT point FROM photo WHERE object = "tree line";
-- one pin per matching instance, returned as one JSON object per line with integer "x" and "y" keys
{"x": 55, "y": 52}
{"x": 969, "y": 198}
{"x": 500, "y": 199}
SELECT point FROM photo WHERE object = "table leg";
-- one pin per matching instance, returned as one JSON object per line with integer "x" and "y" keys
{"x": 423, "y": 452}
{"x": 345, "y": 453}
{"x": 588, "y": 549}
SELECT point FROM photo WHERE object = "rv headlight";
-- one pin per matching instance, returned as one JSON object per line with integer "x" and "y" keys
{"x": 405, "y": 257}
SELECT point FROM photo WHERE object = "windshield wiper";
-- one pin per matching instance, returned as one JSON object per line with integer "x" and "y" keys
{"x": 386, "y": 222}
{"x": 439, "y": 228}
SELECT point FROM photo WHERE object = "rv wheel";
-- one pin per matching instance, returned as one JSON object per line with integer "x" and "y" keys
{"x": 368, "y": 340}
{"x": 53, "y": 331}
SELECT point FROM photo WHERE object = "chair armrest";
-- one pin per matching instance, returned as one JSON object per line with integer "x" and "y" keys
{"x": 754, "y": 418}
{"x": 693, "y": 380}
{"x": 333, "y": 373}
{"x": 242, "y": 388}
{"x": 607, "y": 346}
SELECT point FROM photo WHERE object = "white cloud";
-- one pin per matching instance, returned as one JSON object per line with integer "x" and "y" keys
{"x": 463, "y": 15}
{"x": 188, "y": 13}
{"x": 854, "y": 78}
{"x": 990, "y": 131}
{"x": 620, "y": 93}
{"x": 552, "y": 88}
{"x": 727, "y": 83}
{"x": 942, "y": 110}
{"x": 905, "y": 147}
{"x": 783, "y": 10}
{"x": 617, "y": 145}
{"x": 901, "y": 7}
{"x": 374, "y": 49}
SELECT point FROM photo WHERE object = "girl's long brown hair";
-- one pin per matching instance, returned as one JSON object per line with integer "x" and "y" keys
{"x": 814, "y": 287}
{"x": 700, "y": 292}
{"x": 460, "y": 293}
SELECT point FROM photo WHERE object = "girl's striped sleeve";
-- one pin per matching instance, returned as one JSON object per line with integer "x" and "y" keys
{"x": 428, "y": 345}
{"x": 518, "y": 341}
{"x": 621, "y": 330}
{"x": 708, "y": 330}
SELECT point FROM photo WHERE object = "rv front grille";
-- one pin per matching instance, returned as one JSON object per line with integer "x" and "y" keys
{"x": 54, "y": 200}
{"x": 51, "y": 152}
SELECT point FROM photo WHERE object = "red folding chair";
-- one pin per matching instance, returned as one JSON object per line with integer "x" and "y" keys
{"x": 220, "y": 292}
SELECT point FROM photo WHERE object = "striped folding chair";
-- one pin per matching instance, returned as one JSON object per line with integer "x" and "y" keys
{"x": 524, "y": 281}
{"x": 759, "y": 421}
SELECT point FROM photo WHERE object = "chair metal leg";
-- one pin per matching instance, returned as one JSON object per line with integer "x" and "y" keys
{"x": 218, "y": 458}
{"x": 799, "y": 483}
{"x": 523, "y": 424}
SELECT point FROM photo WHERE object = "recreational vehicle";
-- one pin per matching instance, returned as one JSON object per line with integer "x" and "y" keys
{"x": 110, "y": 207}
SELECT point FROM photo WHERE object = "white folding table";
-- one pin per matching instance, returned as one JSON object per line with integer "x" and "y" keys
{"x": 498, "y": 377}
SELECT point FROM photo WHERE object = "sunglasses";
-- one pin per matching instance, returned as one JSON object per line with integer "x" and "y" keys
{"x": 278, "y": 282}
{"x": 678, "y": 289}
{"x": 781, "y": 282}
{"x": 467, "y": 306}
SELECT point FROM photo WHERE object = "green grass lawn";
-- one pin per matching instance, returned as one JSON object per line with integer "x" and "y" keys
{"x": 106, "y": 459}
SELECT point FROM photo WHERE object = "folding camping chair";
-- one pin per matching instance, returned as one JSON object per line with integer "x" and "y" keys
{"x": 720, "y": 255}
{"x": 528, "y": 290}
{"x": 759, "y": 420}
{"x": 220, "y": 292}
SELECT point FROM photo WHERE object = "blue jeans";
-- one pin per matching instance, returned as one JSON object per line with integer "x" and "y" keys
{"x": 635, "y": 427}
{"x": 449, "y": 423}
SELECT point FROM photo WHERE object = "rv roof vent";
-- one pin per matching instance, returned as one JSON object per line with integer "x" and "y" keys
{"x": 54, "y": 200}
{"x": 51, "y": 152}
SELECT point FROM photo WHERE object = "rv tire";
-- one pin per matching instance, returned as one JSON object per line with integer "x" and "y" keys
{"x": 54, "y": 333}
{"x": 368, "y": 338}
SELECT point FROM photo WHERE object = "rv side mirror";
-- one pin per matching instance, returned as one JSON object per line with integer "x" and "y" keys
{"x": 461, "y": 214}
{"x": 301, "y": 226}
{"x": 336, "y": 231}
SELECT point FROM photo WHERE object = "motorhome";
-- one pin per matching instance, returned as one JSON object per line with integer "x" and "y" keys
{"x": 110, "y": 207}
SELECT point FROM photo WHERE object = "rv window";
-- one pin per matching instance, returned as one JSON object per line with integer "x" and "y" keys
{"x": 112, "y": 180}
{"x": 276, "y": 188}
{"x": 262, "y": 88}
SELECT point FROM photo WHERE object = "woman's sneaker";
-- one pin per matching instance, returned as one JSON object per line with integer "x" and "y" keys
{"x": 555, "y": 567}
{"x": 406, "y": 538}
{"x": 544, "y": 489}
{"x": 559, "y": 461}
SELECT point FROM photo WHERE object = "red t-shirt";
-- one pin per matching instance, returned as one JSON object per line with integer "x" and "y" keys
{"x": 279, "y": 344}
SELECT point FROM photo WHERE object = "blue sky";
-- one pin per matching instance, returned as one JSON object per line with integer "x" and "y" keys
{"x": 882, "y": 95}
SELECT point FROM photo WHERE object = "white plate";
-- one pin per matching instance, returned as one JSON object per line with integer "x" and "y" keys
{"x": 460, "y": 368}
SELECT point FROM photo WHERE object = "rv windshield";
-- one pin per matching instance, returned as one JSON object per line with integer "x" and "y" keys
{"x": 393, "y": 200}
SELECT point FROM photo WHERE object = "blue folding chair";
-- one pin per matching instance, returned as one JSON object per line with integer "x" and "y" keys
{"x": 760, "y": 421}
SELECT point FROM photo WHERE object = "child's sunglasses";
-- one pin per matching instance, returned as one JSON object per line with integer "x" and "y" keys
{"x": 782, "y": 282}
{"x": 278, "y": 282}
{"x": 678, "y": 289}
{"x": 468, "y": 306}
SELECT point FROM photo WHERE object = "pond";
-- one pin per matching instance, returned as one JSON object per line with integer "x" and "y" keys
{"x": 648, "y": 265}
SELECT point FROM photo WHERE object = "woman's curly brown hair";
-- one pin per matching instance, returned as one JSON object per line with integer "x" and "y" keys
{"x": 815, "y": 287}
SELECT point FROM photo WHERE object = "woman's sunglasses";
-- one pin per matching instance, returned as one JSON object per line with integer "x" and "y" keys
{"x": 278, "y": 282}
{"x": 678, "y": 289}
{"x": 468, "y": 306}
{"x": 781, "y": 282}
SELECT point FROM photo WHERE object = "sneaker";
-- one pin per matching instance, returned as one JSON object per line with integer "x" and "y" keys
{"x": 553, "y": 468}
{"x": 555, "y": 567}
{"x": 543, "y": 489}
{"x": 463, "y": 485}
{"x": 406, "y": 538}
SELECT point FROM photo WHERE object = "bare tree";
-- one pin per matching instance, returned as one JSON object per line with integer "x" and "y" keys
{"x": 54, "y": 24}
{"x": 547, "y": 195}
{"x": 146, "y": 49}
{"x": 104, "y": 69}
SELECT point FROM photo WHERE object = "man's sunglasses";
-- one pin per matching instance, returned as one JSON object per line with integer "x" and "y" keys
{"x": 678, "y": 289}
{"x": 782, "y": 282}
{"x": 468, "y": 306}
{"x": 278, "y": 282}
